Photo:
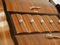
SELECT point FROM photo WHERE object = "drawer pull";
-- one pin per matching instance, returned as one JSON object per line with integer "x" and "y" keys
{"x": 34, "y": 7}
{"x": 51, "y": 36}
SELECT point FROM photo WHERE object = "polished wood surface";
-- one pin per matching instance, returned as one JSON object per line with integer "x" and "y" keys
{"x": 33, "y": 23}
{"x": 28, "y": 29}
{"x": 37, "y": 39}
{"x": 5, "y": 37}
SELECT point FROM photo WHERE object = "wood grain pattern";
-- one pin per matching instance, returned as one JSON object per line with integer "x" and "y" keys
{"x": 5, "y": 37}
{"x": 27, "y": 23}
{"x": 36, "y": 39}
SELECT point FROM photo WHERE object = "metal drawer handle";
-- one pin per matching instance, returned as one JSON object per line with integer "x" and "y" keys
{"x": 34, "y": 7}
{"x": 50, "y": 36}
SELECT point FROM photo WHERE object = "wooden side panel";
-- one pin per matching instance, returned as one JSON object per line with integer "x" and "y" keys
{"x": 5, "y": 37}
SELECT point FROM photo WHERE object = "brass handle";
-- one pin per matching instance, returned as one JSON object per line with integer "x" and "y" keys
{"x": 50, "y": 36}
{"x": 34, "y": 7}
